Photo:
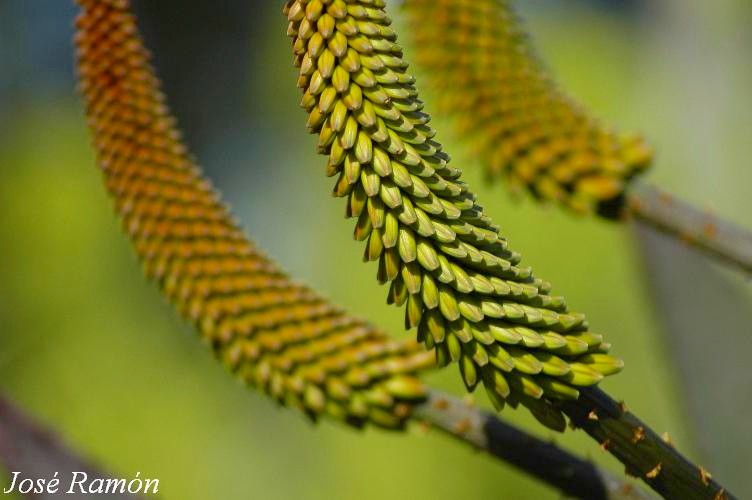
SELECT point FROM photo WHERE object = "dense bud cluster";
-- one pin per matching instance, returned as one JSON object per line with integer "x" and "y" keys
{"x": 272, "y": 332}
{"x": 486, "y": 74}
{"x": 462, "y": 287}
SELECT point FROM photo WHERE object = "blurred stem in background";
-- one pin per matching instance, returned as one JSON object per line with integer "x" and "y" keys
{"x": 705, "y": 310}
{"x": 26, "y": 446}
{"x": 700, "y": 69}
{"x": 707, "y": 319}
{"x": 717, "y": 238}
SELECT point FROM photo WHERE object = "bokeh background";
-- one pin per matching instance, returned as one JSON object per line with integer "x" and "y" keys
{"x": 93, "y": 351}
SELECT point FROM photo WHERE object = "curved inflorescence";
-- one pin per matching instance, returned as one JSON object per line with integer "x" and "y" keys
{"x": 463, "y": 288}
{"x": 272, "y": 332}
{"x": 486, "y": 74}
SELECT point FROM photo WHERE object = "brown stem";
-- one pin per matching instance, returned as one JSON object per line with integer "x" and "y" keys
{"x": 644, "y": 453}
{"x": 28, "y": 447}
{"x": 571, "y": 475}
{"x": 720, "y": 238}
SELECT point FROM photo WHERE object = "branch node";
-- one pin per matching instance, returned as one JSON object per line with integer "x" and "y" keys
{"x": 639, "y": 435}
{"x": 462, "y": 426}
{"x": 627, "y": 489}
{"x": 710, "y": 230}
{"x": 705, "y": 476}
{"x": 654, "y": 471}
{"x": 441, "y": 404}
{"x": 605, "y": 444}
{"x": 667, "y": 439}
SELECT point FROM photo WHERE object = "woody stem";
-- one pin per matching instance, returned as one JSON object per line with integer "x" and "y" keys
{"x": 700, "y": 229}
{"x": 571, "y": 475}
{"x": 643, "y": 452}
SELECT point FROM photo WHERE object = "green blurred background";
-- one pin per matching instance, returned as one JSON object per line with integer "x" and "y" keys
{"x": 92, "y": 349}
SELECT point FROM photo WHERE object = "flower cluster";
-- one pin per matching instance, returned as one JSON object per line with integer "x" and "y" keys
{"x": 272, "y": 332}
{"x": 462, "y": 286}
{"x": 486, "y": 74}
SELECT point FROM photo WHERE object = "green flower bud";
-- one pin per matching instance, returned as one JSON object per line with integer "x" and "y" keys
{"x": 464, "y": 288}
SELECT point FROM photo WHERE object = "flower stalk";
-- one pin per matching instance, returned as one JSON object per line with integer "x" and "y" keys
{"x": 571, "y": 475}
{"x": 703, "y": 230}
{"x": 644, "y": 453}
